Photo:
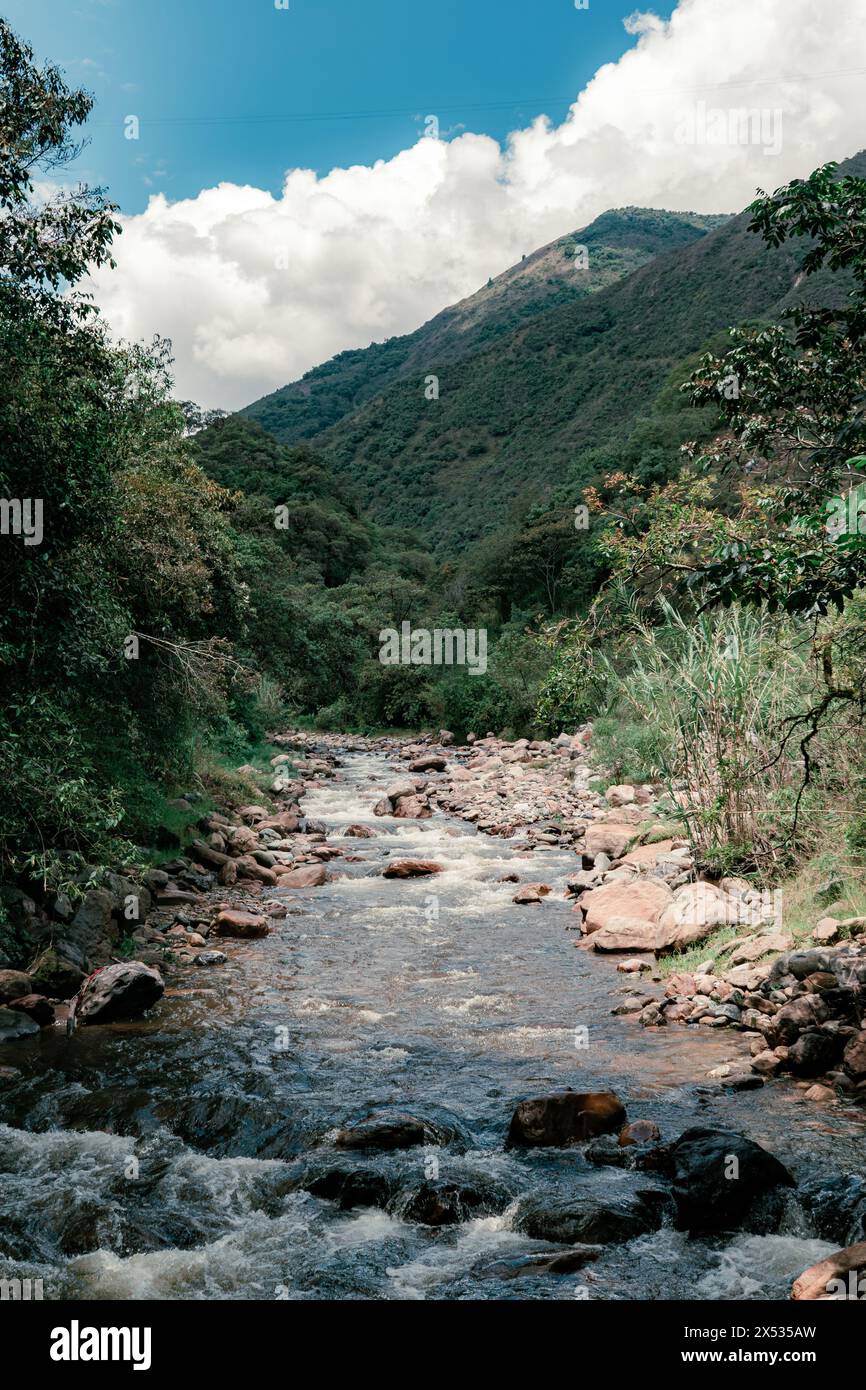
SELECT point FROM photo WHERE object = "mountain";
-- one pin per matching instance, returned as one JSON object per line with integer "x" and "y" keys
{"x": 549, "y": 401}
{"x": 616, "y": 243}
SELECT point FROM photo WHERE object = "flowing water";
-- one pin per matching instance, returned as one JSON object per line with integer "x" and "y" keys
{"x": 190, "y": 1155}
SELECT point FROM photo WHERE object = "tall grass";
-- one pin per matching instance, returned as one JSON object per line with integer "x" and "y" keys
{"x": 714, "y": 691}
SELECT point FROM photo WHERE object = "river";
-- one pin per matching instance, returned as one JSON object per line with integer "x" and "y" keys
{"x": 189, "y": 1155}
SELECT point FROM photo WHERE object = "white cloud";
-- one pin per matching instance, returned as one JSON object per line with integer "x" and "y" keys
{"x": 254, "y": 290}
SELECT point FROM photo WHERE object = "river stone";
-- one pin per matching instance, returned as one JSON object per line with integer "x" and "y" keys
{"x": 15, "y": 1025}
{"x": 855, "y": 1056}
{"x": 305, "y": 876}
{"x": 411, "y": 808}
{"x": 644, "y": 900}
{"x": 411, "y": 868}
{"x": 626, "y": 934}
{"x": 408, "y": 786}
{"x": 531, "y": 893}
{"x": 845, "y": 1266}
{"x": 639, "y": 1132}
{"x": 429, "y": 762}
{"x": 13, "y": 984}
{"x": 587, "y": 1218}
{"x": 696, "y": 911}
{"x": 391, "y": 1130}
{"x": 118, "y": 991}
{"x": 285, "y": 821}
{"x": 565, "y": 1117}
{"x": 714, "y": 1194}
{"x": 835, "y": 1206}
{"x": 360, "y": 832}
{"x": 608, "y": 838}
{"x": 230, "y": 922}
{"x": 443, "y": 1204}
{"x": 814, "y": 1053}
{"x": 35, "y": 1006}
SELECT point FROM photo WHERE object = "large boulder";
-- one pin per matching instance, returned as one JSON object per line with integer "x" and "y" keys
{"x": 13, "y": 983}
{"x": 93, "y": 928}
{"x": 608, "y": 837}
{"x": 645, "y": 899}
{"x": 814, "y": 1053}
{"x": 719, "y": 1177}
{"x": 697, "y": 909}
{"x": 125, "y": 990}
{"x": 592, "y": 1219}
{"x": 626, "y": 934}
{"x": 429, "y": 762}
{"x": 855, "y": 1056}
{"x": 305, "y": 876}
{"x": 565, "y": 1118}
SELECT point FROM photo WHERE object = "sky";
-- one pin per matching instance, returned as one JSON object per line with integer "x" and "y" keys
{"x": 307, "y": 179}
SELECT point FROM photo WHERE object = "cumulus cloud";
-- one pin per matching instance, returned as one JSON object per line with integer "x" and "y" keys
{"x": 254, "y": 290}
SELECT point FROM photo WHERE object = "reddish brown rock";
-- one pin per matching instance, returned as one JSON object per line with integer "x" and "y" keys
{"x": 625, "y": 934}
{"x": 360, "y": 832}
{"x": 411, "y": 808}
{"x": 35, "y": 1006}
{"x": 411, "y": 868}
{"x": 230, "y": 922}
{"x": 837, "y": 1276}
{"x": 639, "y": 1132}
{"x": 564, "y": 1118}
{"x": 531, "y": 893}
{"x": 429, "y": 762}
{"x": 645, "y": 899}
{"x": 608, "y": 838}
{"x": 286, "y": 821}
{"x": 307, "y": 876}
{"x": 248, "y": 867}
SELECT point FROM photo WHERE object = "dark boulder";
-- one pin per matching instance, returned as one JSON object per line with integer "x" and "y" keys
{"x": 442, "y": 1204}
{"x": 814, "y": 1053}
{"x": 721, "y": 1180}
{"x": 593, "y": 1219}
{"x": 389, "y": 1130}
{"x": 835, "y": 1207}
{"x": 117, "y": 992}
{"x": 15, "y": 1025}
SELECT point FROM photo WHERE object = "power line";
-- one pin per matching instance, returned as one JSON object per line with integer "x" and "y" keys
{"x": 412, "y": 113}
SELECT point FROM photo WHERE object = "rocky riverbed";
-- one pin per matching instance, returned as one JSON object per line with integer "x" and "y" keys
{"x": 357, "y": 1055}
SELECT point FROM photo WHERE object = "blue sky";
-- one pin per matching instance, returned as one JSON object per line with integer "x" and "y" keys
{"x": 200, "y": 75}
{"x": 549, "y": 115}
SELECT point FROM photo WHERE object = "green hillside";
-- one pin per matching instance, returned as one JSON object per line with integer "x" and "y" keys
{"x": 512, "y": 422}
{"x": 617, "y": 243}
